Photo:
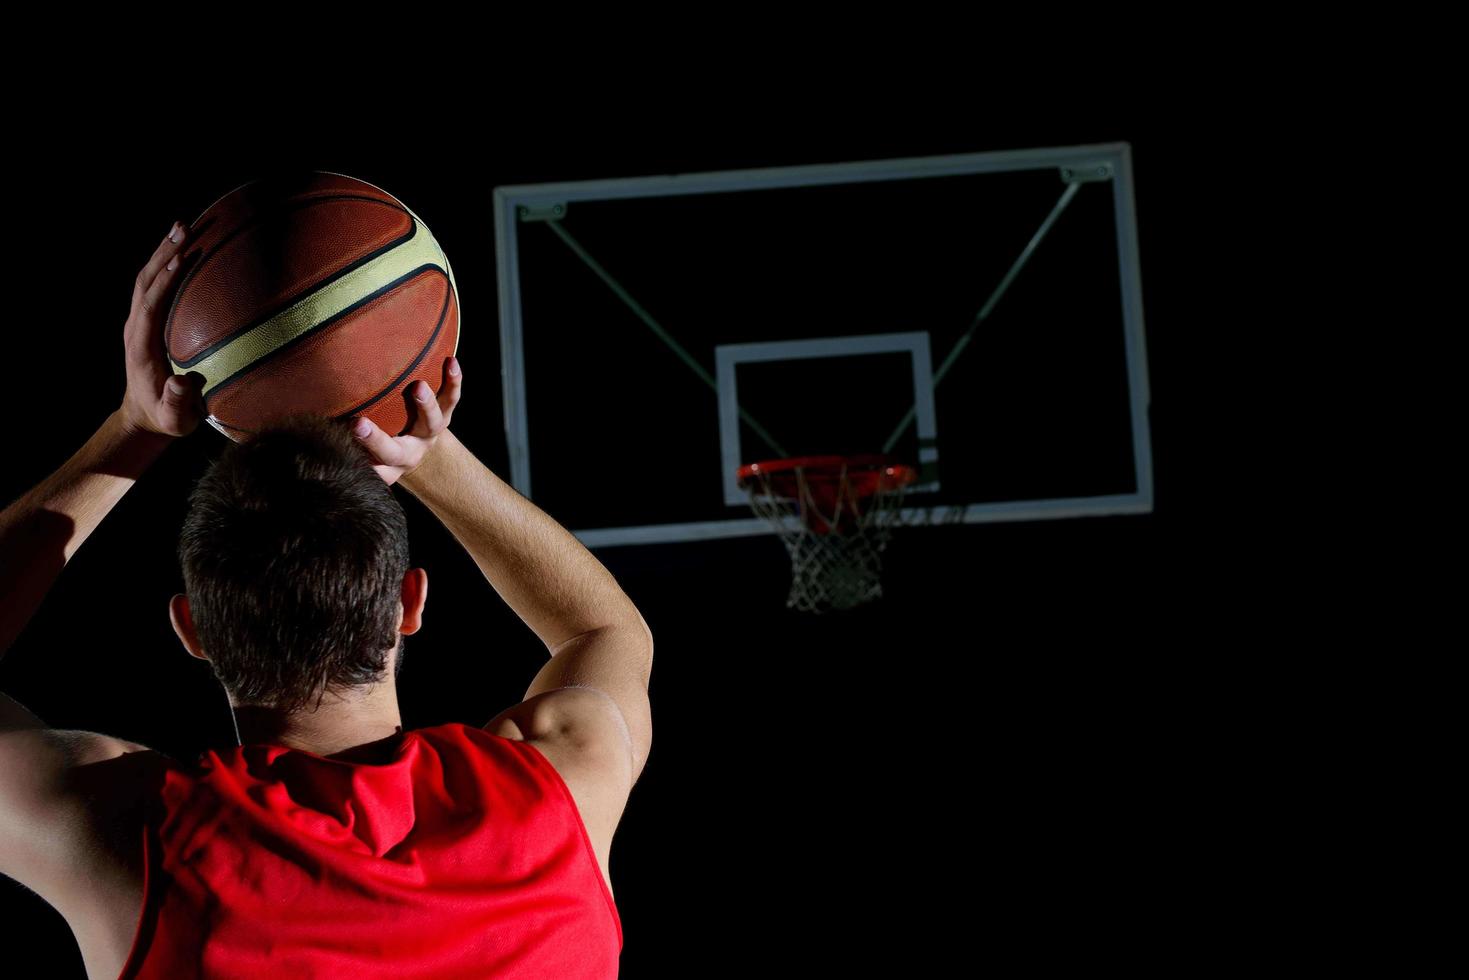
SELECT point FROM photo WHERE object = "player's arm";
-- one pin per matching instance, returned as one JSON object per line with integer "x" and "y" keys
{"x": 595, "y": 687}
{"x": 42, "y": 530}
{"x": 587, "y": 711}
{"x": 554, "y": 584}
{"x": 592, "y": 695}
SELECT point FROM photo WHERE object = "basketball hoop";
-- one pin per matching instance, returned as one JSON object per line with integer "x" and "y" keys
{"x": 834, "y": 514}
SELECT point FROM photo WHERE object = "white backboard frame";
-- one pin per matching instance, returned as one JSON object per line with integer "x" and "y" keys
{"x": 509, "y": 201}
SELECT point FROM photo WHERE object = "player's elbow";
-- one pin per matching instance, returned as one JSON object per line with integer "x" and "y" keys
{"x": 647, "y": 635}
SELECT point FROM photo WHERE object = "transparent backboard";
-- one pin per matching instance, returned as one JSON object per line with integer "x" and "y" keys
{"x": 977, "y": 316}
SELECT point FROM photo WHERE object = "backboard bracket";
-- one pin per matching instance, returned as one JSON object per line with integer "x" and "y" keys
{"x": 541, "y": 212}
{"x": 1087, "y": 173}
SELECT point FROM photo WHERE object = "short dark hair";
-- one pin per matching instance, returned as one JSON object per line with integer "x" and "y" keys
{"x": 293, "y": 554}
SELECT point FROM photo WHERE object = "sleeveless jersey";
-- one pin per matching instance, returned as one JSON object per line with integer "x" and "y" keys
{"x": 464, "y": 856}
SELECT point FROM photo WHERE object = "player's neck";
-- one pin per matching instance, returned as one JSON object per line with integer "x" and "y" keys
{"x": 359, "y": 726}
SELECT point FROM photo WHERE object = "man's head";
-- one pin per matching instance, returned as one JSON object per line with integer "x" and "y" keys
{"x": 295, "y": 562}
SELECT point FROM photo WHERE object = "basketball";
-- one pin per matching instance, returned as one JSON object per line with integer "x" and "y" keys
{"x": 311, "y": 292}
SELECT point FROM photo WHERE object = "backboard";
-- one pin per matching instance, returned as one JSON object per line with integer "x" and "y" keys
{"x": 977, "y": 316}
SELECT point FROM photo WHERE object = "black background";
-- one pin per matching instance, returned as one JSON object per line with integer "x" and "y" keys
{"x": 998, "y": 759}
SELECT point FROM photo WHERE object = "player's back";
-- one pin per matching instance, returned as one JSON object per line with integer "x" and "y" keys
{"x": 463, "y": 855}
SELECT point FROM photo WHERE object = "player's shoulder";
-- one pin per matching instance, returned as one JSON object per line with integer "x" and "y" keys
{"x": 576, "y": 727}
{"x": 580, "y": 731}
{"x": 82, "y": 853}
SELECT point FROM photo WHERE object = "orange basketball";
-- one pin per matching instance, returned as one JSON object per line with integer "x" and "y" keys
{"x": 311, "y": 292}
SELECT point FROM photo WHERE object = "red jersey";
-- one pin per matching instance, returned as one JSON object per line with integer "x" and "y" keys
{"x": 464, "y": 856}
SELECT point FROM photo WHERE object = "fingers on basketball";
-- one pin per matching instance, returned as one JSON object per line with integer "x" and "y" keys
{"x": 433, "y": 414}
{"x": 429, "y": 417}
{"x": 382, "y": 447}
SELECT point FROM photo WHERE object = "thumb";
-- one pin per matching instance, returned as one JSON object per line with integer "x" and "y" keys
{"x": 184, "y": 394}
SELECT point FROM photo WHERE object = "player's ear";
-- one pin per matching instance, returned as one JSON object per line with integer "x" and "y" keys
{"x": 415, "y": 594}
{"x": 183, "y": 625}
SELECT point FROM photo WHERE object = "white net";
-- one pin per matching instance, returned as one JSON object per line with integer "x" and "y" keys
{"x": 835, "y": 538}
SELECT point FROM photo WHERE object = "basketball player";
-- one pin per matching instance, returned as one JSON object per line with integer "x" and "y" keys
{"x": 329, "y": 842}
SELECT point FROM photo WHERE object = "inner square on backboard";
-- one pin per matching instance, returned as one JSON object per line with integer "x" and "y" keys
{"x": 845, "y": 405}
